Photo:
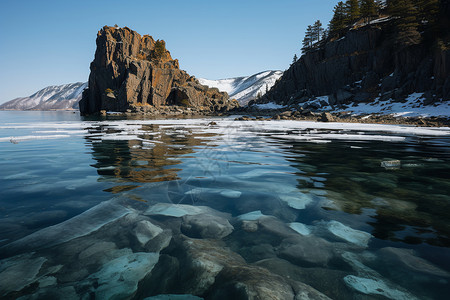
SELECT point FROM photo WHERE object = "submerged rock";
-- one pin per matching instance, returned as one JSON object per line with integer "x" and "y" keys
{"x": 299, "y": 201}
{"x": 53, "y": 292}
{"x": 249, "y": 226}
{"x": 97, "y": 250}
{"x": 81, "y": 225}
{"x": 180, "y": 210}
{"x": 174, "y": 297}
{"x": 206, "y": 226}
{"x": 251, "y": 216}
{"x": 208, "y": 269}
{"x": 231, "y": 194}
{"x": 407, "y": 261}
{"x": 328, "y": 281}
{"x": 351, "y": 235}
{"x": 300, "y": 228}
{"x": 250, "y": 282}
{"x": 18, "y": 272}
{"x": 369, "y": 281}
{"x": 119, "y": 278}
{"x": 306, "y": 251}
{"x": 145, "y": 231}
{"x": 205, "y": 192}
{"x": 370, "y": 286}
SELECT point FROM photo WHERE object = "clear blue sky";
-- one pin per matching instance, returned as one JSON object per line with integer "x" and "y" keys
{"x": 51, "y": 42}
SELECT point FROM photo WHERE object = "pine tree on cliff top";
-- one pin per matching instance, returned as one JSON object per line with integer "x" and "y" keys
{"x": 406, "y": 22}
{"x": 339, "y": 20}
{"x": 428, "y": 16}
{"x": 368, "y": 10}
{"x": 317, "y": 30}
{"x": 353, "y": 10}
{"x": 308, "y": 39}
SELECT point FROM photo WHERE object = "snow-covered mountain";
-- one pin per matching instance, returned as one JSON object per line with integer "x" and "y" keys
{"x": 244, "y": 89}
{"x": 64, "y": 96}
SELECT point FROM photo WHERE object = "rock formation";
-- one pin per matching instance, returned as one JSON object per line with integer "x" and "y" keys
{"x": 133, "y": 73}
{"x": 364, "y": 65}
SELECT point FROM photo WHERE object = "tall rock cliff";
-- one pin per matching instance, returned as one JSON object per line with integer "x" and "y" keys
{"x": 365, "y": 65}
{"x": 131, "y": 72}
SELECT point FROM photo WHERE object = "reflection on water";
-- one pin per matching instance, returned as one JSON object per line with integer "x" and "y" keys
{"x": 410, "y": 204}
{"x": 356, "y": 213}
{"x": 153, "y": 157}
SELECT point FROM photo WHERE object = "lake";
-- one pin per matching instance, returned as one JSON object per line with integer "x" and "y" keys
{"x": 111, "y": 208}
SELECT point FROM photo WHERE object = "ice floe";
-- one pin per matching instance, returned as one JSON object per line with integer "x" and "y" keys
{"x": 17, "y": 139}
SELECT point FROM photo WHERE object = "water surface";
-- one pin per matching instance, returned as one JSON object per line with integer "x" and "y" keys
{"x": 375, "y": 197}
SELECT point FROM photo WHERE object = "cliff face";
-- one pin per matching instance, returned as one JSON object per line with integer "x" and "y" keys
{"x": 362, "y": 66}
{"x": 131, "y": 71}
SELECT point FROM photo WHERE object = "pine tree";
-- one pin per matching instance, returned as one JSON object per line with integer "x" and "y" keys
{"x": 317, "y": 30}
{"x": 368, "y": 10}
{"x": 379, "y": 5}
{"x": 339, "y": 20}
{"x": 308, "y": 39}
{"x": 353, "y": 10}
{"x": 325, "y": 34}
{"x": 406, "y": 24}
{"x": 294, "y": 60}
{"x": 428, "y": 15}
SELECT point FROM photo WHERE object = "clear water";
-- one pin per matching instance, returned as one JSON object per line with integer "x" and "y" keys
{"x": 377, "y": 196}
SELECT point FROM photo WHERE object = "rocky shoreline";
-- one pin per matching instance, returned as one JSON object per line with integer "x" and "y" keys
{"x": 253, "y": 114}
{"x": 346, "y": 117}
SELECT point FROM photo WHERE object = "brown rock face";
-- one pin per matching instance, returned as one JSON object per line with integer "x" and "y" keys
{"x": 130, "y": 70}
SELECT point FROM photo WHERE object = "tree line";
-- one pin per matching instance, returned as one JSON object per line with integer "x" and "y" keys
{"x": 409, "y": 17}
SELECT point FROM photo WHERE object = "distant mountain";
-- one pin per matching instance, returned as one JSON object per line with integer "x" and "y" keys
{"x": 64, "y": 96}
{"x": 244, "y": 89}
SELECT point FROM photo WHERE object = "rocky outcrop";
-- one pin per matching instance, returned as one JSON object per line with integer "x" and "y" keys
{"x": 131, "y": 71}
{"x": 364, "y": 65}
